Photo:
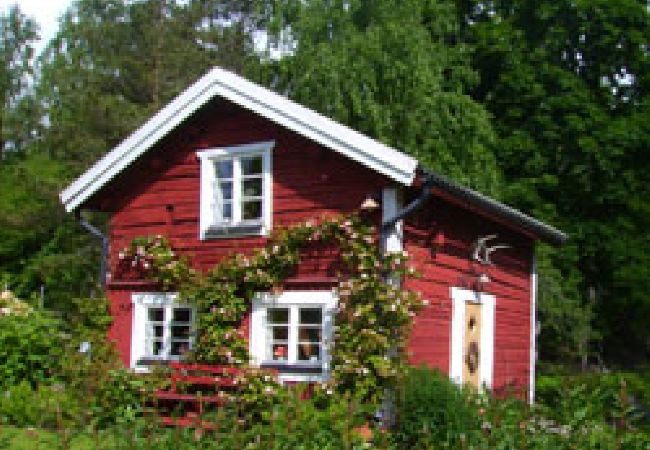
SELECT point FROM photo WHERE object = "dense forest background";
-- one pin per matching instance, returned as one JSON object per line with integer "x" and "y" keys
{"x": 543, "y": 104}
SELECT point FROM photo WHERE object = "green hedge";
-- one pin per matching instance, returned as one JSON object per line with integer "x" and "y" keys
{"x": 31, "y": 349}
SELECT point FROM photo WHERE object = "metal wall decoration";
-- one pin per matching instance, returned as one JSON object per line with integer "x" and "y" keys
{"x": 481, "y": 251}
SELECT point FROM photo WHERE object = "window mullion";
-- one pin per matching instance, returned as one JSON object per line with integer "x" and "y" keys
{"x": 236, "y": 190}
{"x": 167, "y": 335}
{"x": 293, "y": 335}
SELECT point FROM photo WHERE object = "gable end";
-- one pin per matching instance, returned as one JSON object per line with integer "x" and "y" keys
{"x": 220, "y": 83}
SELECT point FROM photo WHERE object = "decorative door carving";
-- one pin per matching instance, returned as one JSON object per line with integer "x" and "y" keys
{"x": 472, "y": 344}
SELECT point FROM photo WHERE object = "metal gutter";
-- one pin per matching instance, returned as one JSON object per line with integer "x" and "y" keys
{"x": 416, "y": 204}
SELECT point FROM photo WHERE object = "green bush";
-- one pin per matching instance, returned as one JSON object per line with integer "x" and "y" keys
{"x": 431, "y": 409}
{"x": 31, "y": 349}
{"x": 105, "y": 391}
{"x": 297, "y": 423}
{"x": 433, "y": 413}
{"x": 46, "y": 406}
{"x": 607, "y": 397}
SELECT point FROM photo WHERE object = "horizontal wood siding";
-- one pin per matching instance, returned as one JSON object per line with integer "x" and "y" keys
{"x": 122, "y": 312}
{"x": 439, "y": 240}
{"x": 159, "y": 194}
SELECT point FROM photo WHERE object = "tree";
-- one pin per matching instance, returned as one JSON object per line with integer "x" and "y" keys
{"x": 566, "y": 82}
{"x": 393, "y": 70}
{"x": 112, "y": 64}
{"x": 17, "y": 33}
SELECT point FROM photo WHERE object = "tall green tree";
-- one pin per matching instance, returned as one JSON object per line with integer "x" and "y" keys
{"x": 394, "y": 70}
{"x": 112, "y": 64}
{"x": 566, "y": 83}
{"x": 17, "y": 35}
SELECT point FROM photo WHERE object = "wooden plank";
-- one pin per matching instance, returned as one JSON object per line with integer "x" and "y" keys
{"x": 190, "y": 398}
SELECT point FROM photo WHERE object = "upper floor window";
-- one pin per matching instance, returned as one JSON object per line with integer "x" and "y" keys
{"x": 236, "y": 190}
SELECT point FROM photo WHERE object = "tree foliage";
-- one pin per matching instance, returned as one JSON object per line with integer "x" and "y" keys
{"x": 566, "y": 82}
{"x": 396, "y": 71}
{"x": 17, "y": 34}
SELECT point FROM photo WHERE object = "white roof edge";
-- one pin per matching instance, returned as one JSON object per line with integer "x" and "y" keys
{"x": 218, "y": 82}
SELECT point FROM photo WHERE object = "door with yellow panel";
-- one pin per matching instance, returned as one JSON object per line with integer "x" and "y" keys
{"x": 472, "y": 337}
{"x": 472, "y": 344}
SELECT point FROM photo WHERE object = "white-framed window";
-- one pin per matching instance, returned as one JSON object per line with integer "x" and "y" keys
{"x": 236, "y": 197}
{"x": 292, "y": 332}
{"x": 163, "y": 330}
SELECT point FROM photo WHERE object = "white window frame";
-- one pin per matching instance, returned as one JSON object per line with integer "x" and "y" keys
{"x": 460, "y": 297}
{"x": 293, "y": 300}
{"x": 141, "y": 302}
{"x": 207, "y": 159}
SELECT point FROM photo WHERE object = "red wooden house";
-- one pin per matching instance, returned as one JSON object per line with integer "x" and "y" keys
{"x": 227, "y": 161}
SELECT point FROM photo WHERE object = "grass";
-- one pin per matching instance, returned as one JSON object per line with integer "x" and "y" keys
{"x": 12, "y": 438}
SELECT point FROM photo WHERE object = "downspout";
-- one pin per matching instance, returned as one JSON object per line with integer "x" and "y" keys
{"x": 416, "y": 204}
{"x": 389, "y": 226}
{"x": 96, "y": 232}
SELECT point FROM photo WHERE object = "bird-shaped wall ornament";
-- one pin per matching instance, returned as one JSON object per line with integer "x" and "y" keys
{"x": 481, "y": 251}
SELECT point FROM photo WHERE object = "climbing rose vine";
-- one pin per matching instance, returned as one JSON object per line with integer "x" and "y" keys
{"x": 374, "y": 313}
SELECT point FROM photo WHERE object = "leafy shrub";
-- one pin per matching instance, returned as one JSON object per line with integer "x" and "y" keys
{"x": 430, "y": 408}
{"x": 89, "y": 318}
{"x": 300, "y": 423}
{"x": 31, "y": 348}
{"x": 104, "y": 389}
{"x": 612, "y": 398}
{"x": 434, "y": 413}
{"x": 45, "y": 406}
{"x": 296, "y": 423}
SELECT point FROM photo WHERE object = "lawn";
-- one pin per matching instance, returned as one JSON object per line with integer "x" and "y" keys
{"x": 12, "y": 438}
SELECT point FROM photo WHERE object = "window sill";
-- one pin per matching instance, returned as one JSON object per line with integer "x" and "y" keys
{"x": 233, "y": 231}
{"x": 293, "y": 368}
{"x": 298, "y": 373}
{"x": 146, "y": 364}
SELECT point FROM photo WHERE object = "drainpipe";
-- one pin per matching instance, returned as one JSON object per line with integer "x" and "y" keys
{"x": 104, "y": 243}
{"x": 416, "y": 204}
{"x": 386, "y": 414}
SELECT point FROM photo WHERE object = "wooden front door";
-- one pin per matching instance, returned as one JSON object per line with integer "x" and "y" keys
{"x": 472, "y": 344}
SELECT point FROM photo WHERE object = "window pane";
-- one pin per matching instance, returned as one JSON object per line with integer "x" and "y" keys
{"x": 252, "y": 210}
{"x": 311, "y": 316}
{"x": 225, "y": 190}
{"x": 156, "y": 314}
{"x": 180, "y": 331}
{"x": 182, "y": 315}
{"x": 312, "y": 335}
{"x": 157, "y": 348}
{"x": 309, "y": 352}
{"x": 158, "y": 331}
{"x": 251, "y": 165}
{"x": 179, "y": 348}
{"x": 224, "y": 212}
{"x": 278, "y": 315}
{"x": 279, "y": 352}
{"x": 280, "y": 333}
{"x": 224, "y": 168}
{"x": 252, "y": 187}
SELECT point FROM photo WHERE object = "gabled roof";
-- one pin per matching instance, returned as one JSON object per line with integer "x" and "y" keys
{"x": 268, "y": 104}
{"x": 220, "y": 83}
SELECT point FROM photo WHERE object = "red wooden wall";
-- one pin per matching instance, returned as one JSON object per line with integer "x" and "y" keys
{"x": 159, "y": 194}
{"x": 439, "y": 240}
